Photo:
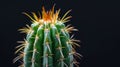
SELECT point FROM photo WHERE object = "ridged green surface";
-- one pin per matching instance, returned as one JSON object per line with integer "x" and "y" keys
{"x": 48, "y": 46}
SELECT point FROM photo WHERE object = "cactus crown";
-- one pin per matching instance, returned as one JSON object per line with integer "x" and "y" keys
{"x": 49, "y": 16}
{"x": 48, "y": 43}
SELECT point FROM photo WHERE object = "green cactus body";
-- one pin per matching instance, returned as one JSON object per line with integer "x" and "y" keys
{"x": 48, "y": 43}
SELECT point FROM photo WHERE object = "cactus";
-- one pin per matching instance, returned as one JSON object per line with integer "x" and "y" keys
{"x": 48, "y": 42}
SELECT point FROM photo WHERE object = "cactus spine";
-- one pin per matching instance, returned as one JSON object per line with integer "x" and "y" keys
{"x": 48, "y": 43}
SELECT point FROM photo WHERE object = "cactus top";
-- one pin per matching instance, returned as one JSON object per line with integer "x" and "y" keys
{"x": 50, "y": 16}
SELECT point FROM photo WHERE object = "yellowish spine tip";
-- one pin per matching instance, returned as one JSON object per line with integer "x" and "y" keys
{"x": 26, "y": 29}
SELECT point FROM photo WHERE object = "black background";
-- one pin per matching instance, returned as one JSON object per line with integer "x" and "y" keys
{"x": 98, "y": 23}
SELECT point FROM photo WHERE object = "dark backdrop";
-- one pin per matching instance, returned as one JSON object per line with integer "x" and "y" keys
{"x": 98, "y": 23}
